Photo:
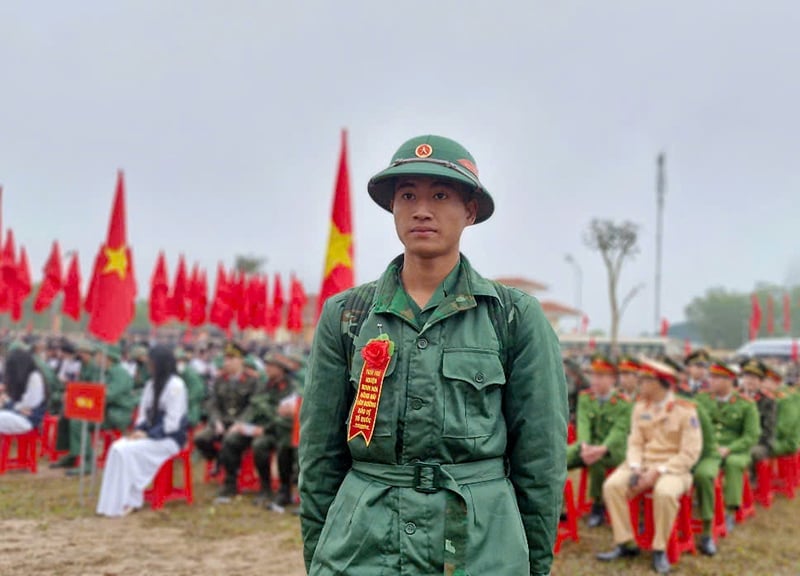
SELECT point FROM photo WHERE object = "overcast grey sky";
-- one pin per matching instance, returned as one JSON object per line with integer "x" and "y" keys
{"x": 225, "y": 117}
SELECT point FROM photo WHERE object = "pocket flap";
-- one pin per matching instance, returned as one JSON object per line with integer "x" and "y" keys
{"x": 481, "y": 368}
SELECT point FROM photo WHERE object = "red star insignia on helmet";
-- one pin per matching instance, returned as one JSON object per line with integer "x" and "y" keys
{"x": 423, "y": 151}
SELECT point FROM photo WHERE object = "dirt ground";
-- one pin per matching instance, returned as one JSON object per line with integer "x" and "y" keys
{"x": 44, "y": 530}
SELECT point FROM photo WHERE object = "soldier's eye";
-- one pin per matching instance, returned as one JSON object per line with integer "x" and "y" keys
{"x": 407, "y": 196}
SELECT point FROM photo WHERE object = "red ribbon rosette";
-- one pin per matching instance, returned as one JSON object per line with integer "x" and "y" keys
{"x": 364, "y": 414}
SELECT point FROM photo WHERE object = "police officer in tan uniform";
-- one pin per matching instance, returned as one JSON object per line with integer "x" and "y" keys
{"x": 664, "y": 443}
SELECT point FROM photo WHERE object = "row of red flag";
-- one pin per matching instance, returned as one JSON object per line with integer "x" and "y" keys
{"x": 756, "y": 315}
{"x": 238, "y": 297}
{"x": 111, "y": 299}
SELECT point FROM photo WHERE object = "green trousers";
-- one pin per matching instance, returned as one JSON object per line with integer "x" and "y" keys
{"x": 597, "y": 471}
{"x": 705, "y": 473}
{"x": 734, "y": 467}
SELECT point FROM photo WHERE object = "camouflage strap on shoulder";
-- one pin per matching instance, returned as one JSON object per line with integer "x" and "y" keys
{"x": 356, "y": 307}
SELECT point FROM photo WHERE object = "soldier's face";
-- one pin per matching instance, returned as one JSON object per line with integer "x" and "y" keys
{"x": 697, "y": 372}
{"x": 648, "y": 387}
{"x": 232, "y": 364}
{"x": 430, "y": 215}
{"x": 602, "y": 382}
{"x": 274, "y": 372}
{"x": 750, "y": 383}
{"x": 720, "y": 385}
{"x": 628, "y": 381}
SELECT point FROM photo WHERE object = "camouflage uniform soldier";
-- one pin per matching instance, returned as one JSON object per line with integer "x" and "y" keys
{"x": 229, "y": 404}
{"x": 277, "y": 431}
{"x": 787, "y": 418}
{"x": 604, "y": 417}
{"x": 735, "y": 418}
{"x": 751, "y": 380}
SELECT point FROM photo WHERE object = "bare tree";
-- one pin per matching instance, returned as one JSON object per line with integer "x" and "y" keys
{"x": 249, "y": 264}
{"x": 616, "y": 243}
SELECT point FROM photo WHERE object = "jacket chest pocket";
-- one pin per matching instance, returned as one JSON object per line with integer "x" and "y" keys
{"x": 386, "y": 416}
{"x": 473, "y": 381}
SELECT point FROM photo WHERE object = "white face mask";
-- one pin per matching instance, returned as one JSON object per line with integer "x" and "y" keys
{"x": 181, "y": 366}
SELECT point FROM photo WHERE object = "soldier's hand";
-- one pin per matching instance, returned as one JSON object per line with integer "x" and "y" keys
{"x": 219, "y": 429}
{"x": 723, "y": 451}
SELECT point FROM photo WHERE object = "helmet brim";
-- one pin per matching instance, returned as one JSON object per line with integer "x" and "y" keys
{"x": 381, "y": 186}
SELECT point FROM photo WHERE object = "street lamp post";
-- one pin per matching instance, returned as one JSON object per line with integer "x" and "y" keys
{"x": 578, "y": 286}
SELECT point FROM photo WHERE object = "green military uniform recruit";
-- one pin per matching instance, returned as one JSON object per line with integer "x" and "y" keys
{"x": 461, "y": 471}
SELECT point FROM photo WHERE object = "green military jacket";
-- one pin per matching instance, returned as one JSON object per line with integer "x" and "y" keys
{"x": 787, "y": 423}
{"x": 54, "y": 386}
{"x": 736, "y": 421}
{"x": 90, "y": 372}
{"x": 265, "y": 409}
{"x": 706, "y": 426}
{"x": 446, "y": 399}
{"x": 230, "y": 400}
{"x": 606, "y": 424}
{"x": 767, "y": 406}
{"x": 195, "y": 394}
{"x": 120, "y": 400}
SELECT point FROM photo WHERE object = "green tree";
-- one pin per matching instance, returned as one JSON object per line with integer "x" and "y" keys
{"x": 249, "y": 264}
{"x": 722, "y": 317}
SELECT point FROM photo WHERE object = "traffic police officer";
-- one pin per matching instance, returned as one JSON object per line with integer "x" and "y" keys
{"x": 664, "y": 443}
{"x": 440, "y": 448}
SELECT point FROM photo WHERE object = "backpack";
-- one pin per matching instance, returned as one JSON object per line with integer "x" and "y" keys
{"x": 361, "y": 299}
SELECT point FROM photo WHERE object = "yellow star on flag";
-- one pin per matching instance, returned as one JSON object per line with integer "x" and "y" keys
{"x": 338, "y": 250}
{"x": 116, "y": 261}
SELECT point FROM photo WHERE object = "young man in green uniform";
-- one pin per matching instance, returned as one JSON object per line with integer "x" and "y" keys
{"x": 787, "y": 416}
{"x": 751, "y": 379}
{"x": 697, "y": 370}
{"x": 439, "y": 448}
{"x": 735, "y": 419}
{"x": 120, "y": 402}
{"x": 276, "y": 432}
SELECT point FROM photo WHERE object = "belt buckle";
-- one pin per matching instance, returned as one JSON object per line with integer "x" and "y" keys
{"x": 426, "y": 477}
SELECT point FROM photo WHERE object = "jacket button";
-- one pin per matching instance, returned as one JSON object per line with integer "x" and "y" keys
{"x": 410, "y": 528}
{"x": 416, "y": 404}
{"x": 422, "y": 343}
{"x": 479, "y": 377}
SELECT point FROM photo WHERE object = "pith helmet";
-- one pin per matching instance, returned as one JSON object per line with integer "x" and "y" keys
{"x": 434, "y": 156}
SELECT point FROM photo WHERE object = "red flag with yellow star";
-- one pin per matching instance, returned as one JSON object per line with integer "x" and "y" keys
{"x": 112, "y": 293}
{"x": 338, "y": 274}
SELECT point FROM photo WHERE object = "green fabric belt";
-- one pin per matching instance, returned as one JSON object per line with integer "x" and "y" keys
{"x": 429, "y": 478}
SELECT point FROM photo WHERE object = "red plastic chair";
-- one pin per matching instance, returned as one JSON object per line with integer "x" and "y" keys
{"x": 49, "y": 438}
{"x": 584, "y": 505}
{"x": 764, "y": 494}
{"x": 108, "y": 437}
{"x": 247, "y": 480}
{"x": 568, "y": 528}
{"x": 163, "y": 489}
{"x": 748, "y": 508}
{"x": 681, "y": 539}
{"x": 718, "y": 527}
{"x": 26, "y": 451}
{"x": 786, "y": 480}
